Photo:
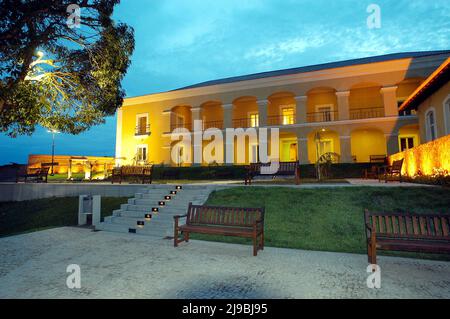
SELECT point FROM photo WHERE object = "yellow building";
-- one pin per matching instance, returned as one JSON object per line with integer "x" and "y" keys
{"x": 350, "y": 108}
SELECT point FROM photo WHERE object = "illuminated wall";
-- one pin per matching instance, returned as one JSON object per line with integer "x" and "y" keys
{"x": 426, "y": 158}
{"x": 98, "y": 163}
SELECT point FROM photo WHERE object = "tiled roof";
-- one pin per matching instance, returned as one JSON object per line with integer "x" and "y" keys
{"x": 318, "y": 67}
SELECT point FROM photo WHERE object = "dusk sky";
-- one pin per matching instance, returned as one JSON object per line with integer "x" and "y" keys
{"x": 183, "y": 42}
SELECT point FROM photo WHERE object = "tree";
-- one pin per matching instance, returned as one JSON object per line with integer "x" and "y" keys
{"x": 58, "y": 71}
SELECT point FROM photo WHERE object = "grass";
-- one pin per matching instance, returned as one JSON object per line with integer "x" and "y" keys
{"x": 326, "y": 219}
{"x": 29, "y": 216}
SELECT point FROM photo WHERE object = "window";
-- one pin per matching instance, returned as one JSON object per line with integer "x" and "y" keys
{"x": 324, "y": 113}
{"x": 142, "y": 126}
{"x": 254, "y": 119}
{"x": 288, "y": 115}
{"x": 430, "y": 125}
{"x": 447, "y": 115}
{"x": 141, "y": 153}
{"x": 406, "y": 143}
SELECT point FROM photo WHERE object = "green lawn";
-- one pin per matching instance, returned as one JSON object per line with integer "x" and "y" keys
{"x": 28, "y": 216}
{"x": 326, "y": 219}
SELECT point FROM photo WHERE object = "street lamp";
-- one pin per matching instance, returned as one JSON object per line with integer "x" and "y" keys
{"x": 54, "y": 132}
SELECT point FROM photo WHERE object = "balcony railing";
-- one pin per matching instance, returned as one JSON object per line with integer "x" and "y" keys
{"x": 326, "y": 116}
{"x": 142, "y": 130}
{"x": 187, "y": 126}
{"x": 367, "y": 113}
{"x": 245, "y": 123}
{"x": 213, "y": 124}
{"x": 280, "y": 120}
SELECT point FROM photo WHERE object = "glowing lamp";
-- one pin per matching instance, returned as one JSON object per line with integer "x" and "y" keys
{"x": 179, "y": 187}
{"x": 167, "y": 197}
{"x": 173, "y": 192}
{"x": 161, "y": 203}
{"x": 155, "y": 210}
{"x": 140, "y": 224}
{"x": 148, "y": 217}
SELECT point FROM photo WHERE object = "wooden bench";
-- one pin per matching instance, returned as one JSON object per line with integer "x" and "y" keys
{"x": 37, "y": 175}
{"x": 392, "y": 171}
{"x": 374, "y": 171}
{"x": 425, "y": 233}
{"x": 143, "y": 173}
{"x": 224, "y": 221}
{"x": 285, "y": 169}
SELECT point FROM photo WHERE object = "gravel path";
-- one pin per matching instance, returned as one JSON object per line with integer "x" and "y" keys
{"x": 126, "y": 266}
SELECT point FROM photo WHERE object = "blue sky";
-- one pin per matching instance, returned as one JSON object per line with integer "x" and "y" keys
{"x": 183, "y": 42}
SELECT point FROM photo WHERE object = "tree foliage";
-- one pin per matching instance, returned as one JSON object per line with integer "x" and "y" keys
{"x": 59, "y": 76}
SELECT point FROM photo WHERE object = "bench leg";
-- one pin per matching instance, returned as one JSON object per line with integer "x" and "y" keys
{"x": 175, "y": 237}
{"x": 372, "y": 254}
{"x": 255, "y": 246}
{"x": 262, "y": 241}
{"x": 186, "y": 236}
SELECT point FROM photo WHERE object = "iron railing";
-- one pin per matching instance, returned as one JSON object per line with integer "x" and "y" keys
{"x": 277, "y": 120}
{"x": 325, "y": 116}
{"x": 142, "y": 130}
{"x": 366, "y": 113}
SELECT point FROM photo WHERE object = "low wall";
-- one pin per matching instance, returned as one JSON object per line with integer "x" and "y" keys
{"x": 426, "y": 159}
{"x": 11, "y": 192}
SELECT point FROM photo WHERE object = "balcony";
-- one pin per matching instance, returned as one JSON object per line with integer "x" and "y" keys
{"x": 245, "y": 123}
{"x": 281, "y": 120}
{"x": 367, "y": 113}
{"x": 213, "y": 124}
{"x": 142, "y": 131}
{"x": 326, "y": 116}
{"x": 186, "y": 126}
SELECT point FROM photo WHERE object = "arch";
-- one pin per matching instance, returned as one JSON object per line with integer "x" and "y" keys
{"x": 281, "y": 108}
{"x": 366, "y": 142}
{"x": 245, "y": 112}
{"x": 320, "y": 98}
{"x": 212, "y": 114}
{"x": 365, "y": 100}
{"x": 181, "y": 117}
{"x": 322, "y": 141}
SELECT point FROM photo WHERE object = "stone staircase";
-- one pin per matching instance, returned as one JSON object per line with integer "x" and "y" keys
{"x": 131, "y": 217}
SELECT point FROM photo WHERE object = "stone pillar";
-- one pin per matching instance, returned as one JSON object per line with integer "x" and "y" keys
{"x": 346, "y": 149}
{"x": 343, "y": 105}
{"x": 196, "y": 115}
{"x": 167, "y": 121}
{"x": 390, "y": 100}
{"x": 301, "y": 109}
{"x": 392, "y": 144}
{"x": 227, "y": 116}
{"x": 302, "y": 150}
{"x": 262, "y": 112}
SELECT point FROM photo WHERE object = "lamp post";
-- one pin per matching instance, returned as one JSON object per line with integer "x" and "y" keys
{"x": 54, "y": 132}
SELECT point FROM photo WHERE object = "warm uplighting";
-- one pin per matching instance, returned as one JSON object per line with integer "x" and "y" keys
{"x": 429, "y": 159}
{"x": 168, "y": 197}
{"x": 179, "y": 187}
{"x": 155, "y": 210}
{"x": 162, "y": 203}
{"x": 173, "y": 192}
{"x": 148, "y": 217}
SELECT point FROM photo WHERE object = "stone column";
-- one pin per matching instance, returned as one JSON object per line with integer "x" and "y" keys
{"x": 343, "y": 105}
{"x": 301, "y": 109}
{"x": 390, "y": 100}
{"x": 392, "y": 144}
{"x": 167, "y": 121}
{"x": 262, "y": 112}
{"x": 196, "y": 115}
{"x": 227, "y": 116}
{"x": 346, "y": 149}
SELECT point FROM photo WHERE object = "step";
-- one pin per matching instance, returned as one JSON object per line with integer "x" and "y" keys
{"x": 160, "y": 233}
{"x": 161, "y": 215}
